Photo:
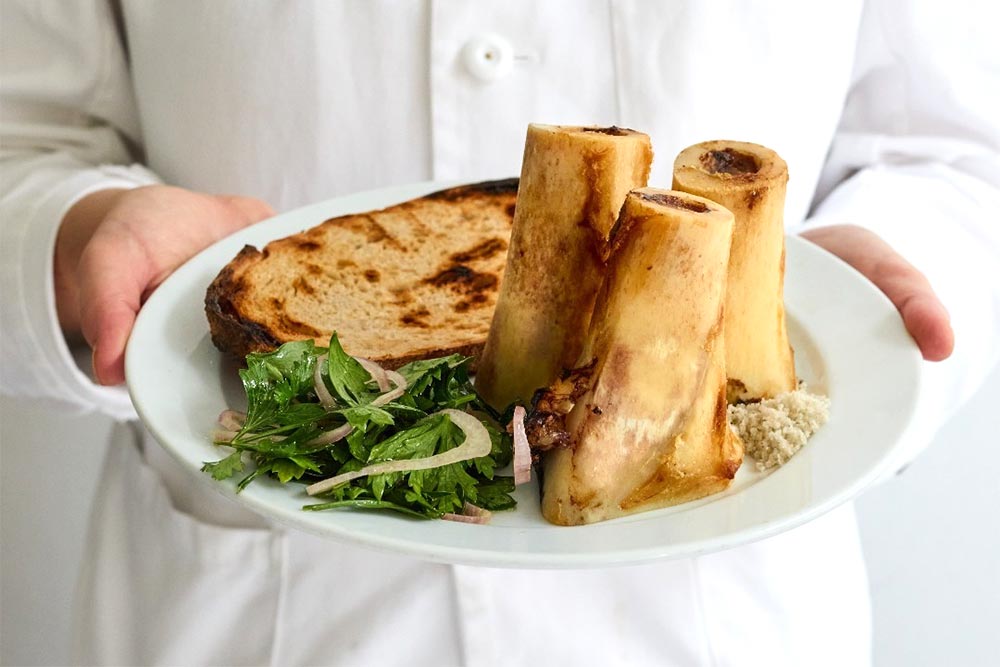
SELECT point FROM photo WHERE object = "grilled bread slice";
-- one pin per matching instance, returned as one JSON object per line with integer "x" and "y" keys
{"x": 412, "y": 281}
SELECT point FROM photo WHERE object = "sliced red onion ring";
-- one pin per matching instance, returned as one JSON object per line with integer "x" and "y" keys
{"x": 231, "y": 420}
{"x": 333, "y": 436}
{"x": 223, "y": 435}
{"x": 522, "y": 450}
{"x": 475, "y": 510}
{"x": 462, "y": 518}
{"x": 470, "y": 514}
{"x": 377, "y": 372}
{"x": 477, "y": 444}
{"x": 401, "y": 385}
{"x": 322, "y": 393}
{"x": 465, "y": 518}
{"x": 397, "y": 379}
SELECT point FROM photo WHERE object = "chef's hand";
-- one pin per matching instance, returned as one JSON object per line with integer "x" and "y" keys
{"x": 115, "y": 247}
{"x": 923, "y": 313}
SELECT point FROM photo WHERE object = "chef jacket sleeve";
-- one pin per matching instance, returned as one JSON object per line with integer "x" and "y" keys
{"x": 917, "y": 160}
{"x": 69, "y": 127}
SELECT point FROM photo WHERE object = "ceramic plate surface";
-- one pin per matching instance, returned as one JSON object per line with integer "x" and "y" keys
{"x": 849, "y": 344}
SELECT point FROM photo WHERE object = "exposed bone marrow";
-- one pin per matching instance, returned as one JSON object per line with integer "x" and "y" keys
{"x": 676, "y": 202}
{"x": 729, "y": 161}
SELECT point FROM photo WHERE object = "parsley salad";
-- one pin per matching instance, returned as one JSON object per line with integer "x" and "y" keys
{"x": 418, "y": 440}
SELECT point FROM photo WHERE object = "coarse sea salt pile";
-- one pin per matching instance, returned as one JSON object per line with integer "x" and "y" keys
{"x": 774, "y": 429}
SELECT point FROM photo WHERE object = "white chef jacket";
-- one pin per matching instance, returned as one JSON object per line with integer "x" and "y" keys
{"x": 887, "y": 115}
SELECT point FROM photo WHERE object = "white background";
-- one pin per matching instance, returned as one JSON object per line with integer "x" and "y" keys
{"x": 930, "y": 536}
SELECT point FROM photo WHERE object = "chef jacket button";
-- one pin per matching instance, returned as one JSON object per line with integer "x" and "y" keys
{"x": 488, "y": 57}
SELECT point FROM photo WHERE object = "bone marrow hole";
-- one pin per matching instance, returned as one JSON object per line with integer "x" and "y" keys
{"x": 614, "y": 131}
{"x": 729, "y": 161}
{"x": 674, "y": 201}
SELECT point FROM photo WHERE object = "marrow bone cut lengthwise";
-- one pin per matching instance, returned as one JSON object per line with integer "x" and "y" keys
{"x": 641, "y": 422}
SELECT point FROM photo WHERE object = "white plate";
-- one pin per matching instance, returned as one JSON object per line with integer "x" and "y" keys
{"x": 849, "y": 343}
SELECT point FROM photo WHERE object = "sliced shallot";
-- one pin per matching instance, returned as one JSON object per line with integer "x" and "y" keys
{"x": 232, "y": 420}
{"x": 377, "y": 372}
{"x": 223, "y": 435}
{"x": 322, "y": 393}
{"x": 469, "y": 509}
{"x": 464, "y": 518}
{"x": 522, "y": 450}
{"x": 397, "y": 379}
{"x": 476, "y": 444}
{"x": 470, "y": 514}
{"x": 400, "y": 383}
{"x": 333, "y": 436}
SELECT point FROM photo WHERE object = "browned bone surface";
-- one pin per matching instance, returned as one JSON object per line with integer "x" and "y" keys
{"x": 573, "y": 183}
{"x": 641, "y": 423}
{"x": 411, "y": 281}
{"x": 749, "y": 180}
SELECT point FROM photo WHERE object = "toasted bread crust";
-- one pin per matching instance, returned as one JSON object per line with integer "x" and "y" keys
{"x": 231, "y": 331}
{"x": 504, "y": 186}
{"x": 228, "y": 300}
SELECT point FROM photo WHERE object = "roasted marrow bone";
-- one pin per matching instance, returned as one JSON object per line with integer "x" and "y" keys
{"x": 749, "y": 180}
{"x": 648, "y": 427}
{"x": 573, "y": 183}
